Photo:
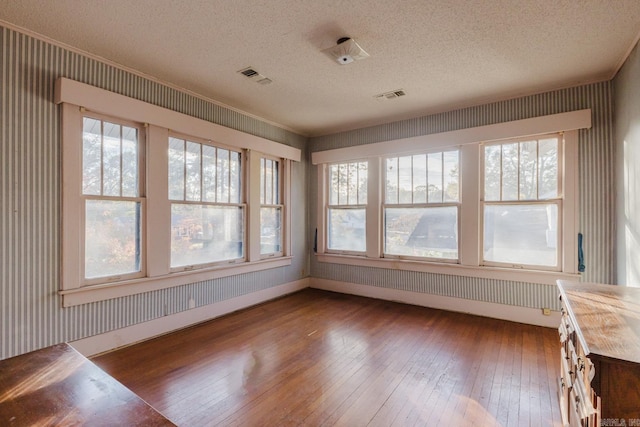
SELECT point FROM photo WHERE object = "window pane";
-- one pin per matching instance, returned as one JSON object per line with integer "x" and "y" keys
{"x": 234, "y": 177}
{"x": 176, "y": 169}
{"x": 334, "y": 184}
{"x": 521, "y": 234}
{"x": 422, "y": 232}
{"x": 202, "y": 234}
{"x": 510, "y": 172}
{"x": 91, "y": 156}
{"x": 268, "y": 182}
{"x": 420, "y": 178}
{"x": 492, "y": 172}
{"x": 222, "y": 183}
{"x": 404, "y": 180}
{"x": 111, "y": 160}
{"x": 129, "y": 162}
{"x": 112, "y": 238}
{"x": 348, "y": 183}
{"x": 528, "y": 169}
{"x": 435, "y": 177}
{"x": 270, "y": 230}
{"x": 346, "y": 230}
{"x": 208, "y": 173}
{"x": 276, "y": 182}
{"x": 548, "y": 158}
{"x": 451, "y": 176}
{"x": 391, "y": 194}
{"x": 193, "y": 172}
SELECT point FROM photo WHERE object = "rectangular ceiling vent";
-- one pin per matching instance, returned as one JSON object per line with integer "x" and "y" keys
{"x": 255, "y": 76}
{"x": 390, "y": 95}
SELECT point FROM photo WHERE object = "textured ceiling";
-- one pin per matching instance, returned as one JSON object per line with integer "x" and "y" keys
{"x": 445, "y": 54}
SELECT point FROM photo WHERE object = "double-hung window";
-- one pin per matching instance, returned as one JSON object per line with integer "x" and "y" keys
{"x": 112, "y": 186}
{"x": 522, "y": 203}
{"x": 153, "y": 199}
{"x": 271, "y": 207}
{"x": 207, "y": 213}
{"x": 421, "y": 206}
{"x": 497, "y": 201}
{"x": 346, "y": 209}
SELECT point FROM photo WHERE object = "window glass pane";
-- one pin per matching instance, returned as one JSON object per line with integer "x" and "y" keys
{"x": 343, "y": 179}
{"x": 111, "y": 160}
{"x": 270, "y": 230}
{"x": 193, "y": 172}
{"x": 434, "y": 168}
{"x": 346, "y": 230}
{"x": 202, "y": 234}
{"x": 208, "y": 173}
{"x": 348, "y": 183}
{"x": 510, "y": 172}
{"x": 334, "y": 184}
{"x": 91, "y": 156}
{"x": 353, "y": 184}
{"x": 222, "y": 183}
{"x": 112, "y": 238}
{"x": 451, "y": 176}
{"x": 276, "y": 182}
{"x": 420, "y": 178}
{"x": 268, "y": 182}
{"x": 528, "y": 169}
{"x": 176, "y": 169}
{"x": 391, "y": 194}
{"x": 523, "y": 234}
{"x": 492, "y": 172}
{"x": 234, "y": 177}
{"x": 422, "y": 232}
{"x": 548, "y": 169}
{"x": 405, "y": 186}
{"x": 129, "y": 161}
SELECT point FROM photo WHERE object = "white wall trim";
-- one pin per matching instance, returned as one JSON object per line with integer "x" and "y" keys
{"x": 105, "y": 102}
{"x": 91, "y": 346}
{"x": 511, "y": 313}
{"x": 553, "y": 123}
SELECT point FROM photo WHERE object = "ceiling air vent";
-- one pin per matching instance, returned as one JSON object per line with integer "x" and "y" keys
{"x": 390, "y": 95}
{"x": 255, "y": 76}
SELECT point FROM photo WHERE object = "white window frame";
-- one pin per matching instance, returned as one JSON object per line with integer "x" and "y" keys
{"x": 77, "y": 98}
{"x": 279, "y": 203}
{"x": 140, "y": 198}
{"x": 558, "y": 201}
{"x": 470, "y": 244}
{"x": 421, "y": 205}
{"x": 241, "y": 202}
{"x": 345, "y": 206}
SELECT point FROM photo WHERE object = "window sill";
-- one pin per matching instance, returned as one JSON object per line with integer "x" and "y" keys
{"x": 496, "y": 273}
{"x": 94, "y": 293}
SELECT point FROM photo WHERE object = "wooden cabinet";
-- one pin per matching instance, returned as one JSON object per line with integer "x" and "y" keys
{"x": 599, "y": 332}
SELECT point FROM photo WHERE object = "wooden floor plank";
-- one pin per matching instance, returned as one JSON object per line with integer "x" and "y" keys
{"x": 321, "y": 358}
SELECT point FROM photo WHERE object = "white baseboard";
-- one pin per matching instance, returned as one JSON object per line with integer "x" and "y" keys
{"x": 142, "y": 331}
{"x": 512, "y": 313}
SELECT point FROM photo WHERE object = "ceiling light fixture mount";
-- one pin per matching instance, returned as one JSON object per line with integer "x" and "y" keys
{"x": 346, "y": 51}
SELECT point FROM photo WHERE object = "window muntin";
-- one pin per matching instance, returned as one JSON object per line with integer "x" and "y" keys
{"x": 522, "y": 204}
{"x": 421, "y": 205}
{"x": 346, "y": 210}
{"x": 271, "y": 207}
{"x": 207, "y": 216}
{"x": 113, "y": 206}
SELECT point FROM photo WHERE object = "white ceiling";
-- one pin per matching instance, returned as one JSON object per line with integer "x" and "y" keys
{"x": 445, "y": 54}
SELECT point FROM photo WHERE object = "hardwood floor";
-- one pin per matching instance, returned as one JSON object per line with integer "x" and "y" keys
{"x": 319, "y": 358}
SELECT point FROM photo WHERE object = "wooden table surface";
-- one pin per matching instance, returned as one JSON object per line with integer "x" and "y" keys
{"x": 608, "y": 317}
{"x": 58, "y": 386}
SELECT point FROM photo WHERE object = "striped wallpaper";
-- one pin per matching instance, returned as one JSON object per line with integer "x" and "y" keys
{"x": 595, "y": 181}
{"x": 31, "y": 316}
